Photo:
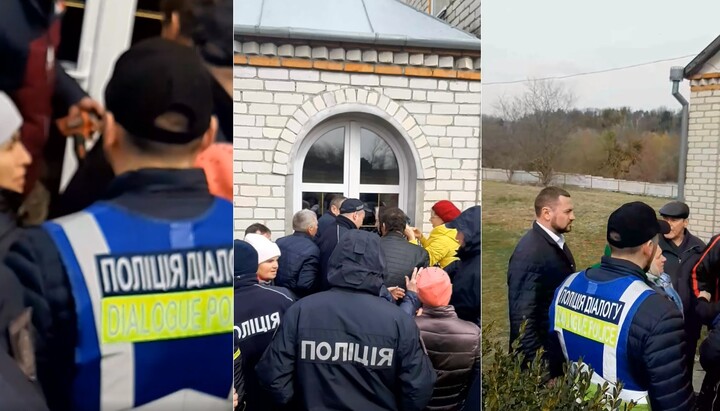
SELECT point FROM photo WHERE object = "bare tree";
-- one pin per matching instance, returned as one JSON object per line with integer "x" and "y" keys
{"x": 538, "y": 126}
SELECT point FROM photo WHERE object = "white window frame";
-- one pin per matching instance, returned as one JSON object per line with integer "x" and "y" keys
{"x": 351, "y": 186}
{"x": 107, "y": 31}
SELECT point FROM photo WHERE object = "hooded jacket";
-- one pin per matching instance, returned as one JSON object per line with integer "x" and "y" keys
{"x": 260, "y": 304}
{"x": 347, "y": 348}
{"x": 327, "y": 241}
{"x": 465, "y": 273}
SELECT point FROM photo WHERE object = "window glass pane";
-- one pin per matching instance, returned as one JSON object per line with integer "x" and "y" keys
{"x": 325, "y": 162}
{"x": 374, "y": 201}
{"x": 148, "y": 20}
{"x": 378, "y": 164}
{"x": 71, "y": 30}
{"x": 317, "y": 202}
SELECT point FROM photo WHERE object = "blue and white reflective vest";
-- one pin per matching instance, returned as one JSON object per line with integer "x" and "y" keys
{"x": 154, "y": 305}
{"x": 592, "y": 320}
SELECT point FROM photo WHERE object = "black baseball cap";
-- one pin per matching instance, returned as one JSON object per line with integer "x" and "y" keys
{"x": 675, "y": 209}
{"x": 352, "y": 205}
{"x": 155, "y": 77}
{"x": 633, "y": 224}
{"x": 213, "y": 23}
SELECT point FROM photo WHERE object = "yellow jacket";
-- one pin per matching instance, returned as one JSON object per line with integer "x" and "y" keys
{"x": 441, "y": 245}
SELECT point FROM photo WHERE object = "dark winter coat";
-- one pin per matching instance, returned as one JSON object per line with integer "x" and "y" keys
{"x": 454, "y": 349}
{"x": 709, "y": 398}
{"x": 401, "y": 257}
{"x": 656, "y": 342}
{"x": 327, "y": 241}
{"x": 299, "y": 264}
{"x": 256, "y": 301}
{"x": 465, "y": 272}
{"x": 307, "y": 364}
{"x": 537, "y": 268}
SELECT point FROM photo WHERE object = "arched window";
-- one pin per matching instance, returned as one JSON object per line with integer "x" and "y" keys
{"x": 355, "y": 157}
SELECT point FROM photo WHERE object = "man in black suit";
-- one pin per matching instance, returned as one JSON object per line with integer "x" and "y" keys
{"x": 539, "y": 264}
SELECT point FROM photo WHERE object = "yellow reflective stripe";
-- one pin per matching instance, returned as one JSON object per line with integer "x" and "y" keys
{"x": 586, "y": 326}
{"x": 154, "y": 317}
{"x": 236, "y": 354}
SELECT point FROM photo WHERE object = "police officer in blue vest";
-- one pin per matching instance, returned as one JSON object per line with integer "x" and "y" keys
{"x": 613, "y": 318}
{"x": 132, "y": 297}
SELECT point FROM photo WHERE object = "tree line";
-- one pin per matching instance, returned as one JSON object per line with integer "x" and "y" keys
{"x": 540, "y": 131}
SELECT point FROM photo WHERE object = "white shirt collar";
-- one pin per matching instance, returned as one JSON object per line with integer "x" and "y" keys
{"x": 559, "y": 239}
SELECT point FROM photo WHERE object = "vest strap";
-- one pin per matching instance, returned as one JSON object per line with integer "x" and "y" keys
{"x": 117, "y": 360}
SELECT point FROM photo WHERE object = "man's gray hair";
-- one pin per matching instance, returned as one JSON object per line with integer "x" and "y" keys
{"x": 303, "y": 219}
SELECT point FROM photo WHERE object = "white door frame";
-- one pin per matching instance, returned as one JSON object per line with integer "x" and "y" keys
{"x": 106, "y": 33}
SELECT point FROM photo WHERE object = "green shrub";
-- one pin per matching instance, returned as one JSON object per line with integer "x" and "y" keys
{"x": 505, "y": 386}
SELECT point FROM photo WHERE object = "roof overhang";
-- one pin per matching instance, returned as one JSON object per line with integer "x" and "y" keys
{"x": 372, "y": 22}
{"x": 699, "y": 61}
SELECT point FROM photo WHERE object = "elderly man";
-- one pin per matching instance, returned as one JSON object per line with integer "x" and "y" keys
{"x": 299, "y": 269}
{"x": 682, "y": 251}
{"x": 352, "y": 213}
{"x": 332, "y": 210}
{"x": 679, "y": 244}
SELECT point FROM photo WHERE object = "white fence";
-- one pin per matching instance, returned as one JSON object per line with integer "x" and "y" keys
{"x": 668, "y": 190}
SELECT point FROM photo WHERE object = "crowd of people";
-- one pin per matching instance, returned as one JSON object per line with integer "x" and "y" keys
{"x": 106, "y": 284}
{"x": 336, "y": 317}
{"x": 633, "y": 318}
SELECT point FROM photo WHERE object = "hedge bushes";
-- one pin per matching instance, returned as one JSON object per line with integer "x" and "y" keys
{"x": 505, "y": 386}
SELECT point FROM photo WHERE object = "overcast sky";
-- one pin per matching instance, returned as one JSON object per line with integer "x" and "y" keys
{"x": 532, "y": 39}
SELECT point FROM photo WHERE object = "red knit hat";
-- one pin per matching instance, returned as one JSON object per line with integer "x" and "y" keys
{"x": 217, "y": 162}
{"x": 446, "y": 210}
{"x": 434, "y": 287}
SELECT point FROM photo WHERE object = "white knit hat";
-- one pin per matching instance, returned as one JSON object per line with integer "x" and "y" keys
{"x": 10, "y": 118}
{"x": 265, "y": 248}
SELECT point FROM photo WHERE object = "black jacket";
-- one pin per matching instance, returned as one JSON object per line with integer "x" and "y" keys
{"x": 709, "y": 398}
{"x": 683, "y": 284}
{"x": 537, "y": 267}
{"x": 705, "y": 274}
{"x": 401, "y": 257}
{"x": 327, "y": 241}
{"x": 239, "y": 378}
{"x": 36, "y": 263}
{"x": 299, "y": 264}
{"x": 656, "y": 342}
{"x": 257, "y": 302}
{"x": 324, "y": 222}
{"x": 465, "y": 272}
{"x": 307, "y": 363}
{"x": 675, "y": 255}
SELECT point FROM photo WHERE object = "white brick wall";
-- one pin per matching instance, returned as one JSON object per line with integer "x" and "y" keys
{"x": 702, "y": 182}
{"x": 273, "y": 104}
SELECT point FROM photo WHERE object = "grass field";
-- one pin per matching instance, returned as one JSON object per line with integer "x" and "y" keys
{"x": 508, "y": 214}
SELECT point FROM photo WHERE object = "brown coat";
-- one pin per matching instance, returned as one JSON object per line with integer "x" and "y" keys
{"x": 454, "y": 349}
